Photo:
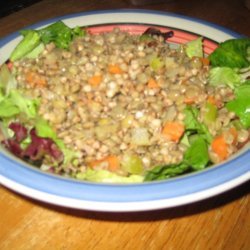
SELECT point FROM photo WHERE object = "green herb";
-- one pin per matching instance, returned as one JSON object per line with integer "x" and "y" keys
{"x": 59, "y": 33}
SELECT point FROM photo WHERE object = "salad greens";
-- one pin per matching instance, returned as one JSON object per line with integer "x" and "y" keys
{"x": 233, "y": 53}
{"x": 192, "y": 124}
{"x": 58, "y": 32}
{"x": 107, "y": 177}
{"x": 241, "y": 104}
{"x": 224, "y": 76}
{"x": 231, "y": 66}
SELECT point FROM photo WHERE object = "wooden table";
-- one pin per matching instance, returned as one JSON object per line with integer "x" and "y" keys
{"x": 222, "y": 222}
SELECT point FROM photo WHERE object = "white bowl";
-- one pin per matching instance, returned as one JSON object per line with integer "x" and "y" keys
{"x": 58, "y": 190}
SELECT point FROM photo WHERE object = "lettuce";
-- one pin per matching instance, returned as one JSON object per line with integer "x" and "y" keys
{"x": 58, "y": 32}
{"x": 224, "y": 76}
{"x": 166, "y": 171}
{"x": 196, "y": 155}
{"x": 233, "y": 53}
{"x": 241, "y": 104}
{"x": 192, "y": 124}
{"x": 14, "y": 104}
{"x": 107, "y": 177}
{"x": 44, "y": 130}
{"x": 195, "y": 158}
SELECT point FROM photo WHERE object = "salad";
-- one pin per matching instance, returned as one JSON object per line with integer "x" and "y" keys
{"x": 118, "y": 107}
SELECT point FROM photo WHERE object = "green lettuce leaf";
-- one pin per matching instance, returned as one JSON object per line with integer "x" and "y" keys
{"x": 192, "y": 124}
{"x": 166, "y": 171}
{"x": 196, "y": 155}
{"x": 58, "y": 32}
{"x": 233, "y": 53}
{"x": 26, "y": 105}
{"x": 8, "y": 109}
{"x": 107, "y": 177}
{"x": 14, "y": 104}
{"x": 7, "y": 80}
{"x": 241, "y": 104}
{"x": 43, "y": 129}
{"x": 224, "y": 76}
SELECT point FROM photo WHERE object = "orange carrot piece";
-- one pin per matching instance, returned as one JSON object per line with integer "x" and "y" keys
{"x": 220, "y": 147}
{"x": 205, "y": 61}
{"x": 152, "y": 84}
{"x": 212, "y": 100}
{"x": 114, "y": 69}
{"x": 35, "y": 80}
{"x": 112, "y": 162}
{"x": 95, "y": 80}
{"x": 173, "y": 131}
{"x": 189, "y": 100}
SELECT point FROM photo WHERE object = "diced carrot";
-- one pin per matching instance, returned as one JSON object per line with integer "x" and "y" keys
{"x": 95, "y": 80}
{"x": 35, "y": 79}
{"x": 152, "y": 84}
{"x": 220, "y": 147}
{"x": 111, "y": 162}
{"x": 189, "y": 100}
{"x": 212, "y": 100}
{"x": 115, "y": 69}
{"x": 205, "y": 61}
{"x": 173, "y": 131}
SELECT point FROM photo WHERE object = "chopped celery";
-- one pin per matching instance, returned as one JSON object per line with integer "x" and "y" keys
{"x": 156, "y": 63}
{"x": 194, "y": 48}
{"x": 36, "y": 51}
{"x": 140, "y": 136}
{"x": 210, "y": 113}
{"x": 132, "y": 164}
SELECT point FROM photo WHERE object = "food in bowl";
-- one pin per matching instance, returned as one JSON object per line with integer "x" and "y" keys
{"x": 122, "y": 107}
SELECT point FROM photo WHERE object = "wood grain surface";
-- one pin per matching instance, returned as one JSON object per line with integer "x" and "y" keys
{"x": 221, "y": 222}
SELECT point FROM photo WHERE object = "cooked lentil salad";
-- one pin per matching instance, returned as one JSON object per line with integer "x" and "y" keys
{"x": 119, "y": 107}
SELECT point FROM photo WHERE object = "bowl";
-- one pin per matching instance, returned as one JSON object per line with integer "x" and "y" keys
{"x": 50, "y": 188}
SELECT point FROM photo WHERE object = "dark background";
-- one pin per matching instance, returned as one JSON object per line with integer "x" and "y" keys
{"x": 9, "y": 6}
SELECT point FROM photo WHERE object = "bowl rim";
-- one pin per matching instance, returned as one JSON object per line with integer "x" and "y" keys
{"x": 123, "y": 197}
